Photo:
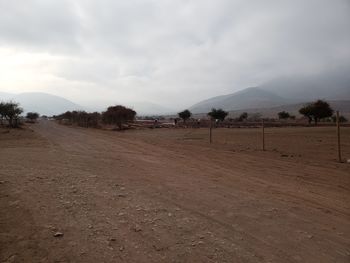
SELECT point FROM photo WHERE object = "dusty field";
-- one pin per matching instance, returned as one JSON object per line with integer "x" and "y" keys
{"x": 168, "y": 196}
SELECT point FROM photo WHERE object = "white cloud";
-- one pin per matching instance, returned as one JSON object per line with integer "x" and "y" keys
{"x": 169, "y": 52}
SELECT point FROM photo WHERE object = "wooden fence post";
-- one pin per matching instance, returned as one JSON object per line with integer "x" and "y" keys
{"x": 338, "y": 138}
{"x": 210, "y": 131}
{"x": 263, "y": 135}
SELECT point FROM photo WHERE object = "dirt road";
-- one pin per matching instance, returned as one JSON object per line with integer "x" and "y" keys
{"x": 130, "y": 197}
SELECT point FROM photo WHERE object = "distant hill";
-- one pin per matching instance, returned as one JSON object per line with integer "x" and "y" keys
{"x": 43, "y": 103}
{"x": 4, "y": 96}
{"x": 271, "y": 112}
{"x": 47, "y": 104}
{"x": 268, "y": 101}
{"x": 342, "y": 105}
{"x": 244, "y": 99}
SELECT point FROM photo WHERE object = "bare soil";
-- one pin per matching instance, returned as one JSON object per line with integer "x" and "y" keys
{"x": 166, "y": 195}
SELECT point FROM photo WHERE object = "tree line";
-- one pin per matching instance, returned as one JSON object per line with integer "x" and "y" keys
{"x": 120, "y": 115}
{"x": 11, "y": 113}
{"x": 314, "y": 111}
{"x": 214, "y": 114}
{"x": 114, "y": 115}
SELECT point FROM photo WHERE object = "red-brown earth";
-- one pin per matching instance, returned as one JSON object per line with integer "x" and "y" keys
{"x": 166, "y": 195}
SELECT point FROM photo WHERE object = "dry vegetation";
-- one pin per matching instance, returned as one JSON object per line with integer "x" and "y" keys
{"x": 72, "y": 194}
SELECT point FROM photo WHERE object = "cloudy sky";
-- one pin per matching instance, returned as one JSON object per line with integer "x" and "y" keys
{"x": 171, "y": 52}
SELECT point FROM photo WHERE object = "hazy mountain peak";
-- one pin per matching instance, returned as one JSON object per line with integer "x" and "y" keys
{"x": 43, "y": 103}
{"x": 4, "y": 96}
{"x": 252, "y": 97}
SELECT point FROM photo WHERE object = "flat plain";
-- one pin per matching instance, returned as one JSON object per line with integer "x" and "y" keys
{"x": 71, "y": 194}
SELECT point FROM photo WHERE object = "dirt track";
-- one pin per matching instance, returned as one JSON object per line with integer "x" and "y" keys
{"x": 140, "y": 197}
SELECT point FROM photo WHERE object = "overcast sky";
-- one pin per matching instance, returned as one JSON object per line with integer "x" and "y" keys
{"x": 171, "y": 52}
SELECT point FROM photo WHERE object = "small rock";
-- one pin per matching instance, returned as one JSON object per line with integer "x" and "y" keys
{"x": 284, "y": 155}
{"x": 2, "y": 182}
{"x": 158, "y": 247}
{"x": 52, "y": 228}
{"x": 121, "y": 195}
{"x": 113, "y": 239}
{"x": 137, "y": 228}
{"x": 170, "y": 214}
{"x": 14, "y": 203}
{"x": 310, "y": 236}
{"x": 121, "y": 248}
{"x": 58, "y": 234}
{"x": 348, "y": 160}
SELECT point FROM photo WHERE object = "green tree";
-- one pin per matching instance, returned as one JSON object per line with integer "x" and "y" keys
{"x": 118, "y": 115}
{"x": 93, "y": 119}
{"x": 283, "y": 115}
{"x": 185, "y": 115}
{"x": 317, "y": 110}
{"x": 243, "y": 116}
{"x": 217, "y": 114}
{"x": 341, "y": 119}
{"x": 2, "y": 111}
{"x": 321, "y": 109}
{"x": 307, "y": 110}
{"x": 11, "y": 112}
{"x": 81, "y": 118}
{"x": 32, "y": 116}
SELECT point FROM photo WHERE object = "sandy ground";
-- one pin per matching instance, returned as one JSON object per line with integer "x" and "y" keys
{"x": 166, "y": 195}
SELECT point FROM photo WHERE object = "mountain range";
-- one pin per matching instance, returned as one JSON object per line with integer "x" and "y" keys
{"x": 48, "y": 104}
{"x": 43, "y": 103}
{"x": 270, "y": 98}
{"x": 332, "y": 86}
{"x": 266, "y": 102}
{"x": 244, "y": 99}
{"x": 271, "y": 112}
